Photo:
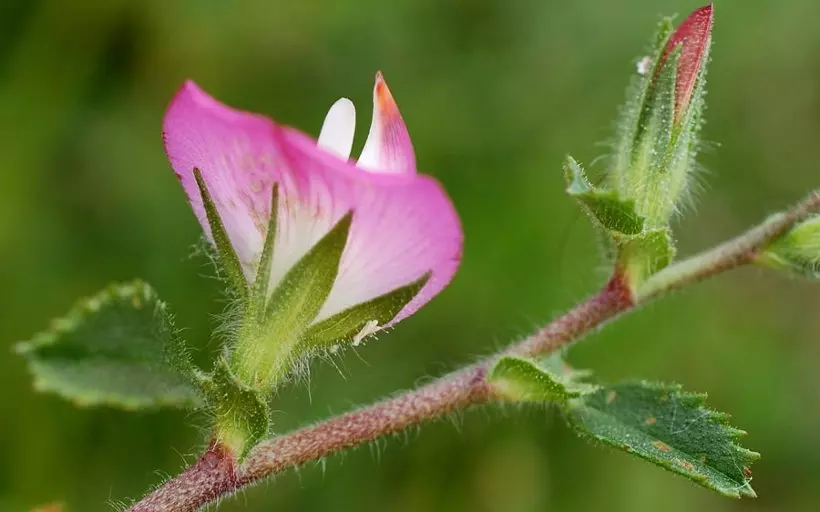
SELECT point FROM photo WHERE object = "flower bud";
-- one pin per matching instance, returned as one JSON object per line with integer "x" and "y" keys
{"x": 693, "y": 36}
{"x": 658, "y": 130}
{"x": 657, "y": 141}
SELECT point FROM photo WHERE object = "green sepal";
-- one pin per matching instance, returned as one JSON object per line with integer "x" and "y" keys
{"x": 641, "y": 256}
{"x": 670, "y": 428}
{"x": 648, "y": 178}
{"x": 631, "y": 122}
{"x": 798, "y": 251}
{"x": 520, "y": 379}
{"x": 305, "y": 287}
{"x": 346, "y": 327}
{"x": 656, "y": 146}
{"x": 655, "y": 132}
{"x": 116, "y": 348}
{"x": 259, "y": 292}
{"x": 241, "y": 415}
{"x": 225, "y": 252}
{"x": 605, "y": 206}
{"x": 265, "y": 350}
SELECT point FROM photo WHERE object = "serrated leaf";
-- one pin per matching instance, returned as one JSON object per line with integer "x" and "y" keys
{"x": 222, "y": 242}
{"x": 798, "y": 251}
{"x": 520, "y": 379}
{"x": 241, "y": 415}
{"x": 116, "y": 348}
{"x": 345, "y": 327}
{"x": 670, "y": 428}
{"x": 605, "y": 206}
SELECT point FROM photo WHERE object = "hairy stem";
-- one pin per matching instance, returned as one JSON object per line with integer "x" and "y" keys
{"x": 216, "y": 475}
{"x": 739, "y": 251}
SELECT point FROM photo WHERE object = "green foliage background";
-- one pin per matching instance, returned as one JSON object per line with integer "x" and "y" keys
{"x": 495, "y": 93}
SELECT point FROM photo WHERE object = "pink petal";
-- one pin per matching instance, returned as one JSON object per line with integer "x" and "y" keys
{"x": 403, "y": 227}
{"x": 403, "y": 224}
{"x": 694, "y": 36}
{"x": 239, "y": 162}
{"x": 387, "y": 148}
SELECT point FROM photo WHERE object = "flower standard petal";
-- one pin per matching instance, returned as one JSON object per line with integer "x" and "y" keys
{"x": 388, "y": 148}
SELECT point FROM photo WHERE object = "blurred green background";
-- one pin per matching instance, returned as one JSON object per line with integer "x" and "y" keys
{"x": 495, "y": 93}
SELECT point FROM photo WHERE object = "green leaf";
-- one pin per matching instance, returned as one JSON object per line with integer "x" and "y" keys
{"x": 241, "y": 415}
{"x": 117, "y": 348}
{"x": 643, "y": 255}
{"x": 605, "y": 206}
{"x": 345, "y": 327}
{"x": 798, "y": 251}
{"x": 521, "y": 379}
{"x": 670, "y": 428}
{"x": 224, "y": 249}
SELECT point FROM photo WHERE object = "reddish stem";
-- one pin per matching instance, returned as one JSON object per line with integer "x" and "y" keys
{"x": 215, "y": 475}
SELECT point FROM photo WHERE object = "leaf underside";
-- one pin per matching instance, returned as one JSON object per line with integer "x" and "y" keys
{"x": 670, "y": 428}
{"x": 117, "y": 348}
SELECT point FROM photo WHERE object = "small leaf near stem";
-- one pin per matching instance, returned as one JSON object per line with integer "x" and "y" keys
{"x": 604, "y": 206}
{"x": 644, "y": 255}
{"x": 519, "y": 379}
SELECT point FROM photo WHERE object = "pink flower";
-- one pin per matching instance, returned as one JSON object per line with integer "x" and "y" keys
{"x": 404, "y": 226}
{"x": 694, "y": 37}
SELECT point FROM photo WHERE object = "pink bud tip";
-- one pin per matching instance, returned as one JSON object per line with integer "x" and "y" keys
{"x": 693, "y": 36}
